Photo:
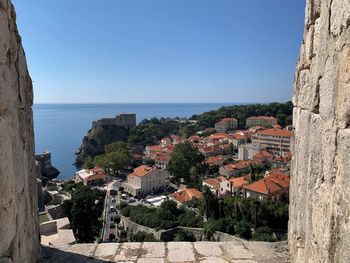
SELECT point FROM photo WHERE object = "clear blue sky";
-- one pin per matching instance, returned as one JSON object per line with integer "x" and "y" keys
{"x": 161, "y": 50}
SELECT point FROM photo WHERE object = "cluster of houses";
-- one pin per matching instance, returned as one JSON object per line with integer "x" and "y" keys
{"x": 263, "y": 142}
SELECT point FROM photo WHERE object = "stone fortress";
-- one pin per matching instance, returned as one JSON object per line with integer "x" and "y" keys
{"x": 319, "y": 226}
{"x": 127, "y": 120}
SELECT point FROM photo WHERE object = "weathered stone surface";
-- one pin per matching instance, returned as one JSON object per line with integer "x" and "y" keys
{"x": 18, "y": 202}
{"x": 320, "y": 202}
{"x": 153, "y": 252}
{"x": 208, "y": 249}
{"x": 180, "y": 252}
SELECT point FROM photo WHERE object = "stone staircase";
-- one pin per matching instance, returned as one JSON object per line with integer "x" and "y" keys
{"x": 159, "y": 252}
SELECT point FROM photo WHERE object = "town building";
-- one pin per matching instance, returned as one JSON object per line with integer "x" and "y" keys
{"x": 276, "y": 141}
{"x": 263, "y": 157}
{"x": 238, "y": 139}
{"x": 184, "y": 196}
{"x": 227, "y": 124}
{"x": 214, "y": 184}
{"x": 233, "y": 186}
{"x": 91, "y": 176}
{"x": 274, "y": 186}
{"x": 248, "y": 151}
{"x": 161, "y": 161}
{"x": 235, "y": 169}
{"x": 145, "y": 179}
{"x": 265, "y": 121}
{"x": 215, "y": 160}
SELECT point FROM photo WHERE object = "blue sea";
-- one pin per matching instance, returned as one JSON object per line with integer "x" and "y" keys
{"x": 60, "y": 128}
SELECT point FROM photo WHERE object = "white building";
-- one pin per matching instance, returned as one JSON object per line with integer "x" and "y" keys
{"x": 248, "y": 151}
{"x": 90, "y": 176}
{"x": 145, "y": 179}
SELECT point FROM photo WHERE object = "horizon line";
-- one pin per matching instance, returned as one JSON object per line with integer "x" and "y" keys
{"x": 197, "y": 102}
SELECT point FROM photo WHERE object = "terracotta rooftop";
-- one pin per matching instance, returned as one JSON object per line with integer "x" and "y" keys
{"x": 219, "y": 135}
{"x": 212, "y": 182}
{"x": 240, "y": 181}
{"x": 270, "y": 184}
{"x": 276, "y": 132}
{"x": 263, "y": 154}
{"x": 142, "y": 170}
{"x": 186, "y": 195}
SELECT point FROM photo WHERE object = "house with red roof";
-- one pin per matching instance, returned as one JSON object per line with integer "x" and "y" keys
{"x": 214, "y": 183}
{"x": 263, "y": 157}
{"x": 235, "y": 169}
{"x": 91, "y": 176}
{"x": 238, "y": 139}
{"x": 276, "y": 141}
{"x": 215, "y": 160}
{"x": 145, "y": 179}
{"x": 234, "y": 186}
{"x": 184, "y": 196}
{"x": 274, "y": 186}
{"x": 161, "y": 161}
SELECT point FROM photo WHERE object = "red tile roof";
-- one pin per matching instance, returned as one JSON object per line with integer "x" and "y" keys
{"x": 270, "y": 184}
{"x": 240, "y": 181}
{"x": 186, "y": 195}
{"x": 276, "y": 132}
{"x": 219, "y": 135}
{"x": 215, "y": 159}
{"x": 212, "y": 182}
{"x": 263, "y": 154}
{"x": 142, "y": 170}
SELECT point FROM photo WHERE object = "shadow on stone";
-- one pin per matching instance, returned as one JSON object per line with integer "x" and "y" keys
{"x": 53, "y": 255}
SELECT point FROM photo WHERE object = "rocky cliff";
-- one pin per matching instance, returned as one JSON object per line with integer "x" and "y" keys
{"x": 319, "y": 228}
{"x": 97, "y": 137}
{"x": 18, "y": 185}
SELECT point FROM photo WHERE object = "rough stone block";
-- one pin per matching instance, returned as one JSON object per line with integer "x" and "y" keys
{"x": 180, "y": 252}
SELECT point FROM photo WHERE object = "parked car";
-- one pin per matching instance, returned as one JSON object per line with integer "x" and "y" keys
{"x": 113, "y": 200}
{"x": 131, "y": 201}
{"x": 112, "y": 225}
{"x": 111, "y": 236}
{"x": 112, "y": 210}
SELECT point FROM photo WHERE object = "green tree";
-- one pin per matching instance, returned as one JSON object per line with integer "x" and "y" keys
{"x": 89, "y": 163}
{"x": 209, "y": 203}
{"x": 183, "y": 235}
{"x": 184, "y": 158}
{"x": 243, "y": 229}
{"x": 168, "y": 210}
{"x": 84, "y": 211}
{"x": 116, "y": 147}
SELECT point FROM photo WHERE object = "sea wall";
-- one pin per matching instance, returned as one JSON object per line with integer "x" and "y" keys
{"x": 18, "y": 186}
{"x": 320, "y": 198}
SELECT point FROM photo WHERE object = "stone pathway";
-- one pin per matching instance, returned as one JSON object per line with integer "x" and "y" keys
{"x": 172, "y": 252}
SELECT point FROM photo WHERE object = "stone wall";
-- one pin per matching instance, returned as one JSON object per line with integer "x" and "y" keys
{"x": 319, "y": 227}
{"x": 18, "y": 185}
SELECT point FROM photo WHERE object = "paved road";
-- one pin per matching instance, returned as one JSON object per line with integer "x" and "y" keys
{"x": 107, "y": 214}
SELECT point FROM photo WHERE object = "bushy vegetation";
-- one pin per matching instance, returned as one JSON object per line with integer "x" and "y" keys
{"x": 282, "y": 111}
{"x": 186, "y": 162}
{"x": 237, "y": 215}
{"x": 183, "y": 235}
{"x": 151, "y": 131}
{"x": 84, "y": 211}
{"x": 116, "y": 157}
{"x": 143, "y": 237}
{"x": 167, "y": 216}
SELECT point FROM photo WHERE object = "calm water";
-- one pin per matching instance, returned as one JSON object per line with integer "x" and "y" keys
{"x": 59, "y": 128}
